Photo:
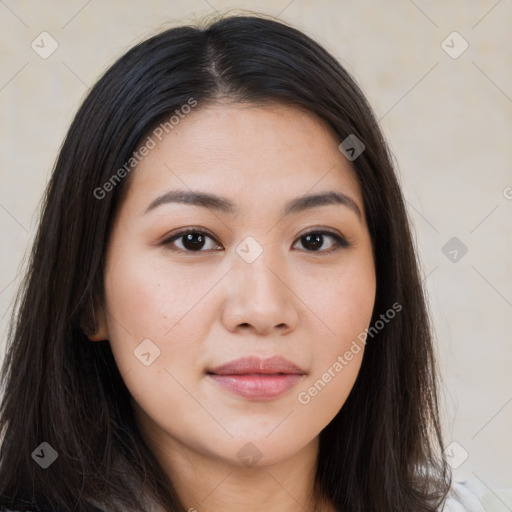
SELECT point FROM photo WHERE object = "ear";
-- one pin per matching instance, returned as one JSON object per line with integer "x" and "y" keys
{"x": 94, "y": 322}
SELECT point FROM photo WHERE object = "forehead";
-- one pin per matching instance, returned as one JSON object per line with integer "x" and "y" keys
{"x": 246, "y": 152}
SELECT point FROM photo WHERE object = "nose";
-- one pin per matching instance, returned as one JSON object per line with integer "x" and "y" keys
{"x": 260, "y": 299}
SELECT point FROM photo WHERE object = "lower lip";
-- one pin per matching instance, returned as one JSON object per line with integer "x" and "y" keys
{"x": 258, "y": 386}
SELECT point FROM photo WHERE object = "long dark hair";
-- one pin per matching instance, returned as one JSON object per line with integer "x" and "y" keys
{"x": 383, "y": 450}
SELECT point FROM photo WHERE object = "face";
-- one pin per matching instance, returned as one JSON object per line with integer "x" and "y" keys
{"x": 228, "y": 337}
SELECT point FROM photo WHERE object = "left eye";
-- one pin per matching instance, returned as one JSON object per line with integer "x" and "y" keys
{"x": 315, "y": 239}
{"x": 193, "y": 240}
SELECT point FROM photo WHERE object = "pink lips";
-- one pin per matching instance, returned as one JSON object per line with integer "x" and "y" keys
{"x": 259, "y": 379}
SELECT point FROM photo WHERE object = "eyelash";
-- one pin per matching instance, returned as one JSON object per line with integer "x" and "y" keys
{"x": 340, "y": 242}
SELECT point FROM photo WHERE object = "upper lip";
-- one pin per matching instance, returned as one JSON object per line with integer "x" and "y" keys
{"x": 255, "y": 365}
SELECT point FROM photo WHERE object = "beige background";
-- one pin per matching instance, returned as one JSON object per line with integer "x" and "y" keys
{"x": 448, "y": 121}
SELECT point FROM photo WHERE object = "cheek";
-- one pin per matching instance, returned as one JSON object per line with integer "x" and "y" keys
{"x": 146, "y": 302}
{"x": 153, "y": 311}
{"x": 149, "y": 299}
{"x": 351, "y": 307}
{"x": 337, "y": 361}
{"x": 344, "y": 305}
{"x": 135, "y": 298}
{"x": 342, "y": 300}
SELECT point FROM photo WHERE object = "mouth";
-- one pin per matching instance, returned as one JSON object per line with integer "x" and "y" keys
{"x": 257, "y": 379}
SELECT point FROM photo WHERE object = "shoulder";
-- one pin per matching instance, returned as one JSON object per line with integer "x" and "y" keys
{"x": 463, "y": 498}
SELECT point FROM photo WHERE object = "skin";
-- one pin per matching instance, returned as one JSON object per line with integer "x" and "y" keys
{"x": 203, "y": 309}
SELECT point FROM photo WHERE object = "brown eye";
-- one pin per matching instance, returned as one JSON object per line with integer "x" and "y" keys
{"x": 192, "y": 240}
{"x": 313, "y": 241}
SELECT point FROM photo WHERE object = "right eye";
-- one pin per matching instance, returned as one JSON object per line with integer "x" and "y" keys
{"x": 192, "y": 240}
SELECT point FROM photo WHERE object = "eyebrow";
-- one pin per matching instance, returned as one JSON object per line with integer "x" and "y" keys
{"x": 222, "y": 204}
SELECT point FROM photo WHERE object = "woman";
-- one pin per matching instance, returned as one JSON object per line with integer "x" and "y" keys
{"x": 223, "y": 309}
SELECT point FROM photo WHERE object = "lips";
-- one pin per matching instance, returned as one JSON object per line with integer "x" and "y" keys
{"x": 257, "y": 379}
{"x": 255, "y": 365}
